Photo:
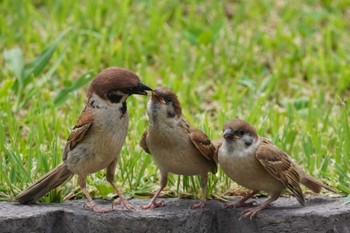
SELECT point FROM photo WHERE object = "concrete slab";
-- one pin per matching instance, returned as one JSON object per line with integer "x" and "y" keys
{"x": 285, "y": 215}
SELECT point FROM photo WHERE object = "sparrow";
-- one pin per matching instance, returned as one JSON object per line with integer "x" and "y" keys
{"x": 257, "y": 164}
{"x": 175, "y": 145}
{"x": 97, "y": 138}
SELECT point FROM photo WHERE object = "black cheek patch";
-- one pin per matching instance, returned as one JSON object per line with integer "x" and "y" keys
{"x": 246, "y": 143}
{"x": 170, "y": 114}
{"x": 114, "y": 98}
{"x": 93, "y": 104}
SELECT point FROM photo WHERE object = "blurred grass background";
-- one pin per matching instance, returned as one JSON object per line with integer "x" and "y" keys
{"x": 284, "y": 66}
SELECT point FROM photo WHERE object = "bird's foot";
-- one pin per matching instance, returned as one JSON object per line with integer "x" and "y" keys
{"x": 96, "y": 208}
{"x": 200, "y": 205}
{"x": 124, "y": 203}
{"x": 153, "y": 204}
{"x": 251, "y": 213}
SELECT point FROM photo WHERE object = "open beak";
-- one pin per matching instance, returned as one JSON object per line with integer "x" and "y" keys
{"x": 141, "y": 89}
{"x": 229, "y": 134}
{"x": 156, "y": 95}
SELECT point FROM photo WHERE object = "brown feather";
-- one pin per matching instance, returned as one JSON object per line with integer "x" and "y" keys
{"x": 312, "y": 183}
{"x": 205, "y": 147}
{"x": 160, "y": 93}
{"x": 44, "y": 185}
{"x": 112, "y": 78}
{"x": 278, "y": 165}
{"x": 143, "y": 142}
{"x": 217, "y": 143}
{"x": 79, "y": 131}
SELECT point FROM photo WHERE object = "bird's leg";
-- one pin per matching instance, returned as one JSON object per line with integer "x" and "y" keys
{"x": 121, "y": 200}
{"x": 91, "y": 204}
{"x": 201, "y": 204}
{"x": 110, "y": 172}
{"x": 154, "y": 203}
{"x": 242, "y": 202}
{"x": 251, "y": 212}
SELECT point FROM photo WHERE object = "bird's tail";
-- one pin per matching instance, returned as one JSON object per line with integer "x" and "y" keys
{"x": 312, "y": 183}
{"x": 46, "y": 183}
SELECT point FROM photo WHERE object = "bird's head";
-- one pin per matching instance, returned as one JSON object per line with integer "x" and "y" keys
{"x": 164, "y": 105}
{"x": 115, "y": 85}
{"x": 239, "y": 133}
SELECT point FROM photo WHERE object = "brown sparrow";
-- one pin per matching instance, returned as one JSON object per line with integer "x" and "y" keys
{"x": 257, "y": 164}
{"x": 97, "y": 138}
{"x": 175, "y": 146}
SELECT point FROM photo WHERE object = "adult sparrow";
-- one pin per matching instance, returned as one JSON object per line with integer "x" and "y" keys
{"x": 257, "y": 164}
{"x": 175, "y": 146}
{"x": 97, "y": 138}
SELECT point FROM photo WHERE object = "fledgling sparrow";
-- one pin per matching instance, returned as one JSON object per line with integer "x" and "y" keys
{"x": 176, "y": 146}
{"x": 257, "y": 164}
{"x": 97, "y": 138}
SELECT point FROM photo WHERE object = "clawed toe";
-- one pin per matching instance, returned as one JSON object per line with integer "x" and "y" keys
{"x": 200, "y": 205}
{"x": 96, "y": 208}
{"x": 153, "y": 205}
{"x": 124, "y": 203}
{"x": 251, "y": 213}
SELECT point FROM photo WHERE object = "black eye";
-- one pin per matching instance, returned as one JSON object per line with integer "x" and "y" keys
{"x": 240, "y": 132}
{"x": 168, "y": 98}
{"x": 114, "y": 97}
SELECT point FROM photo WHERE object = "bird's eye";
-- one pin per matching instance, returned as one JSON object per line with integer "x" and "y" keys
{"x": 114, "y": 96}
{"x": 168, "y": 98}
{"x": 240, "y": 132}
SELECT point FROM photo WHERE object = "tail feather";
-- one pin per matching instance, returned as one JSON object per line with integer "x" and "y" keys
{"x": 45, "y": 184}
{"x": 314, "y": 184}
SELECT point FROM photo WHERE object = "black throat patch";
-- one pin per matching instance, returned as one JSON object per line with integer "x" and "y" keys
{"x": 123, "y": 109}
{"x": 170, "y": 114}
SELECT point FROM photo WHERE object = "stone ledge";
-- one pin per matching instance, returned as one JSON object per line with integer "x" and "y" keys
{"x": 286, "y": 215}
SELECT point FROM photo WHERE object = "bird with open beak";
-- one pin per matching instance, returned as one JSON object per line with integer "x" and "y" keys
{"x": 175, "y": 145}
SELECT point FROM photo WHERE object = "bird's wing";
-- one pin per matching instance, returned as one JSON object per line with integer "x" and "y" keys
{"x": 217, "y": 144}
{"x": 79, "y": 131}
{"x": 279, "y": 165}
{"x": 143, "y": 142}
{"x": 205, "y": 147}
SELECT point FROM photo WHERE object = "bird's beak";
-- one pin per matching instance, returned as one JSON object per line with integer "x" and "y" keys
{"x": 141, "y": 89}
{"x": 228, "y": 134}
{"x": 157, "y": 96}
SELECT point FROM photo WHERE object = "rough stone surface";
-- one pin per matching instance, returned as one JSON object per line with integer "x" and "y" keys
{"x": 285, "y": 215}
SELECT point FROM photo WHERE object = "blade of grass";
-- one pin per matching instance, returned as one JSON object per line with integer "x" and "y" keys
{"x": 35, "y": 67}
{"x": 64, "y": 94}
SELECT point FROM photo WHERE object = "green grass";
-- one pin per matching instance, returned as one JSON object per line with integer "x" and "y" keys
{"x": 281, "y": 65}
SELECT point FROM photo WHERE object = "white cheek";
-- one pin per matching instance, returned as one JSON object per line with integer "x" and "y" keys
{"x": 124, "y": 98}
{"x": 226, "y": 149}
{"x": 101, "y": 103}
{"x": 149, "y": 108}
{"x": 156, "y": 111}
{"x": 234, "y": 149}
